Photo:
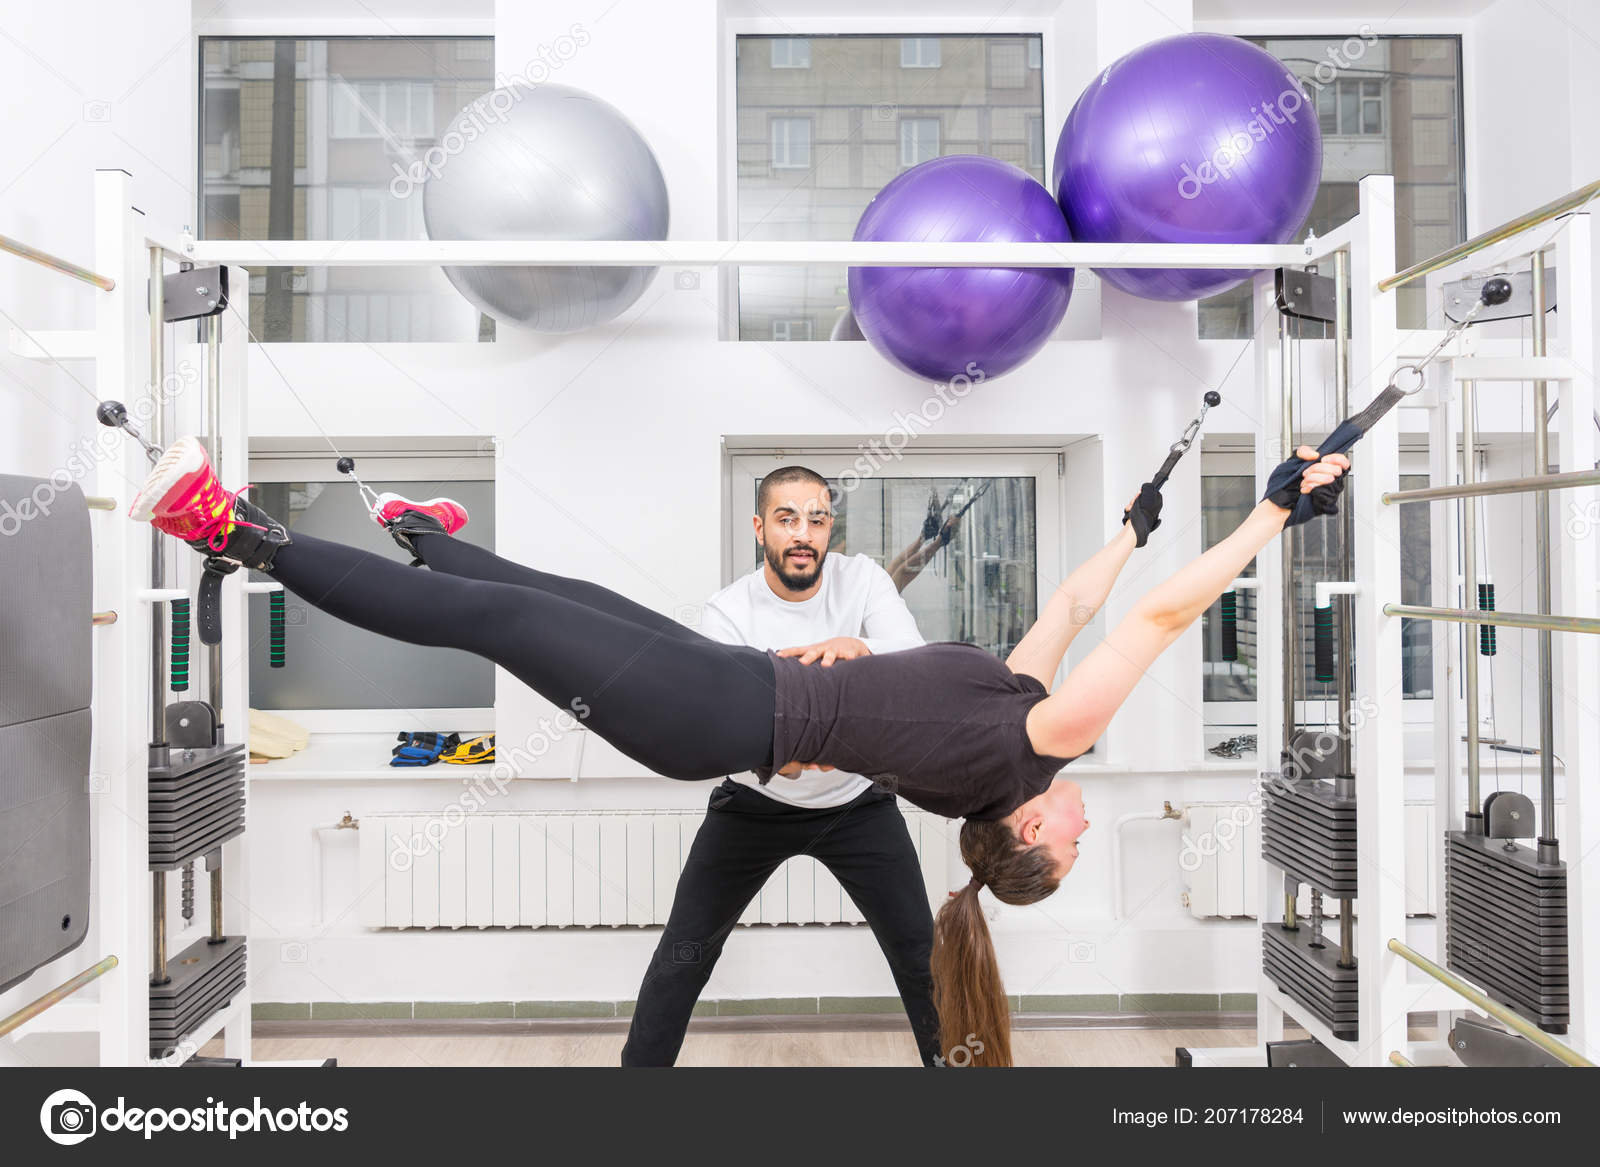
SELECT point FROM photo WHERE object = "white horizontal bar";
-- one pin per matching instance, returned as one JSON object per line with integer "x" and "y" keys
{"x": 1244, "y": 582}
{"x": 265, "y": 585}
{"x": 162, "y": 595}
{"x": 1327, "y": 589}
{"x": 69, "y": 345}
{"x": 730, "y": 253}
{"x": 1513, "y": 369}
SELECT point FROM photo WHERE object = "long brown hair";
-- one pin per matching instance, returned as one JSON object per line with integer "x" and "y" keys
{"x": 974, "y": 1013}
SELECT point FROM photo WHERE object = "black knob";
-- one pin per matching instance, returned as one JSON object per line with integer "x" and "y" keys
{"x": 112, "y": 413}
{"x": 345, "y": 465}
{"x": 1213, "y": 398}
{"x": 1495, "y": 291}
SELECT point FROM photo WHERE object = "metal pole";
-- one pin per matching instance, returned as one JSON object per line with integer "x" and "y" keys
{"x": 214, "y": 871}
{"x": 1287, "y": 539}
{"x": 158, "y": 926}
{"x": 1469, "y": 590}
{"x": 1560, "y": 206}
{"x": 1498, "y": 619}
{"x": 158, "y": 569}
{"x": 56, "y": 995}
{"x": 1347, "y": 523}
{"x": 1511, "y": 1020}
{"x": 56, "y": 263}
{"x": 214, "y": 436}
{"x": 1549, "y": 847}
{"x": 1529, "y": 485}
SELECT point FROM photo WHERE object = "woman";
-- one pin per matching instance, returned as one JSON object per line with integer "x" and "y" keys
{"x": 947, "y": 726}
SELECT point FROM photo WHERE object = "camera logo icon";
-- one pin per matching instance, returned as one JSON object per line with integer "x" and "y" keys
{"x": 686, "y": 952}
{"x": 686, "y": 281}
{"x": 68, "y": 1117}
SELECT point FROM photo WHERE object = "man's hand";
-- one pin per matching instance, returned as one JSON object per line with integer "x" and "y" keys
{"x": 828, "y": 651}
{"x": 794, "y": 769}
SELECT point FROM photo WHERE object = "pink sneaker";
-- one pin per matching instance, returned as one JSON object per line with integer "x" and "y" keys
{"x": 403, "y": 518}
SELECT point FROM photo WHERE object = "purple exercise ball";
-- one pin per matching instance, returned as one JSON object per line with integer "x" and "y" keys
{"x": 974, "y": 322}
{"x": 1199, "y": 138}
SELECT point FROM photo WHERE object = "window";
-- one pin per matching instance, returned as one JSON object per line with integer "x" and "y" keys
{"x": 1008, "y": 64}
{"x": 816, "y": 187}
{"x": 791, "y": 143}
{"x": 981, "y": 586}
{"x": 920, "y": 52}
{"x": 364, "y": 110}
{"x": 1035, "y": 53}
{"x": 791, "y": 53}
{"x": 1392, "y": 108}
{"x": 791, "y": 330}
{"x": 1227, "y": 495}
{"x": 337, "y": 666}
{"x": 919, "y": 140}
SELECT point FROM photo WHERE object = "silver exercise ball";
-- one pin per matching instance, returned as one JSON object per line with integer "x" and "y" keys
{"x": 545, "y": 162}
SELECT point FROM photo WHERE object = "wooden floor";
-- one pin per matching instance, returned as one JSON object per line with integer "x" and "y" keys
{"x": 1073, "y": 1047}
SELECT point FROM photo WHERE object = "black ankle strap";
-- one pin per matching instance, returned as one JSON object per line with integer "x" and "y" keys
{"x": 209, "y": 618}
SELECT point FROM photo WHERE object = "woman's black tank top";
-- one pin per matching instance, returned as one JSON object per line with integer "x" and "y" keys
{"x": 943, "y": 726}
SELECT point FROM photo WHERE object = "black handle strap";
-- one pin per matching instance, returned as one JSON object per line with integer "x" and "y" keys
{"x": 209, "y": 608}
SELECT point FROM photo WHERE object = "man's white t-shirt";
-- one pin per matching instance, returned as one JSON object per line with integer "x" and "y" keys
{"x": 857, "y": 598}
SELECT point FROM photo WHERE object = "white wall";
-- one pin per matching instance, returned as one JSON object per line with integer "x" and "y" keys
{"x": 601, "y": 430}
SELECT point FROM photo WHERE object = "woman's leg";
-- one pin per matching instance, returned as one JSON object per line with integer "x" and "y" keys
{"x": 686, "y": 708}
{"x": 452, "y": 556}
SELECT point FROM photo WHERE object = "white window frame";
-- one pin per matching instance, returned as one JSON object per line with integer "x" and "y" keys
{"x": 1036, "y": 141}
{"x": 908, "y": 147}
{"x": 785, "y": 161}
{"x": 794, "y": 48}
{"x": 466, "y": 459}
{"x": 1240, "y": 716}
{"x": 1044, "y": 466}
{"x": 920, "y": 52}
{"x": 1035, "y": 53}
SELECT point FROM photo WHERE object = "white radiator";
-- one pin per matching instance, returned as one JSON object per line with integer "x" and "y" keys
{"x": 611, "y": 868}
{"x": 1221, "y": 844}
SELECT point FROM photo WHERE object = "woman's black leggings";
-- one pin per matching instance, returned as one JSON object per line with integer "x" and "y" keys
{"x": 685, "y": 706}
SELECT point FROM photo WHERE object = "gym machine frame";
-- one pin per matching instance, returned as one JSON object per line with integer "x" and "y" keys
{"x": 1385, "y": 995}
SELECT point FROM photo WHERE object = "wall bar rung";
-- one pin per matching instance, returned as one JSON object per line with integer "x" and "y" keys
{"x": 1528, "y": 485}
{"x": 1510, "y": 1019}
{"x": 56, "y": 995}
{"x": 1501, "y": 619}
{"x": 99, "y": 502}
{"x": 56, "y": 263}
{"x": 1560, "y": 206}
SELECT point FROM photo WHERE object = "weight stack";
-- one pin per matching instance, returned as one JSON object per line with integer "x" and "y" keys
{"x": 1310, "y": 974}
{"x": 197, "y": 803}
{"x": 1506, "y": 925}
{"x": 1308, "y": 831}
{"x": 201, "y": 980}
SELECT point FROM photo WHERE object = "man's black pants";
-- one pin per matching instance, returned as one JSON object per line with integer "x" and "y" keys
{"x": 745, "y": 838}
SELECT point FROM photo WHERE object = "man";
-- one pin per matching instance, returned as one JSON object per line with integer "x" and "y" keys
{"x": 835, "y": 607}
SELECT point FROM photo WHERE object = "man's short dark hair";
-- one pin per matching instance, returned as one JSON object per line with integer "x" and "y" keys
{"x": 783, "y": 476}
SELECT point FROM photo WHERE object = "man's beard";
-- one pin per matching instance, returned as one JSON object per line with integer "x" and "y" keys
{"x": 796, "y": 580}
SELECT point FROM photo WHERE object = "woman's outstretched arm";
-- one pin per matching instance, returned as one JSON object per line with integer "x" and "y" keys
{"x": 1070, "y": 721}
{"x": 1075, "y": 602}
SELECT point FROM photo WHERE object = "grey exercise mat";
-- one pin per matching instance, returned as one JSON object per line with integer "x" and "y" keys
{"x": 46, "y": 560}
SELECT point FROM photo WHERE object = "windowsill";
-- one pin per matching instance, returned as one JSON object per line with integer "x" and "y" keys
{"x": 355, "y": 757}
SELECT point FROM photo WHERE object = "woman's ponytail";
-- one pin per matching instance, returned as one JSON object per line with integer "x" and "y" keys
{"x": 974, "y": 1012}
